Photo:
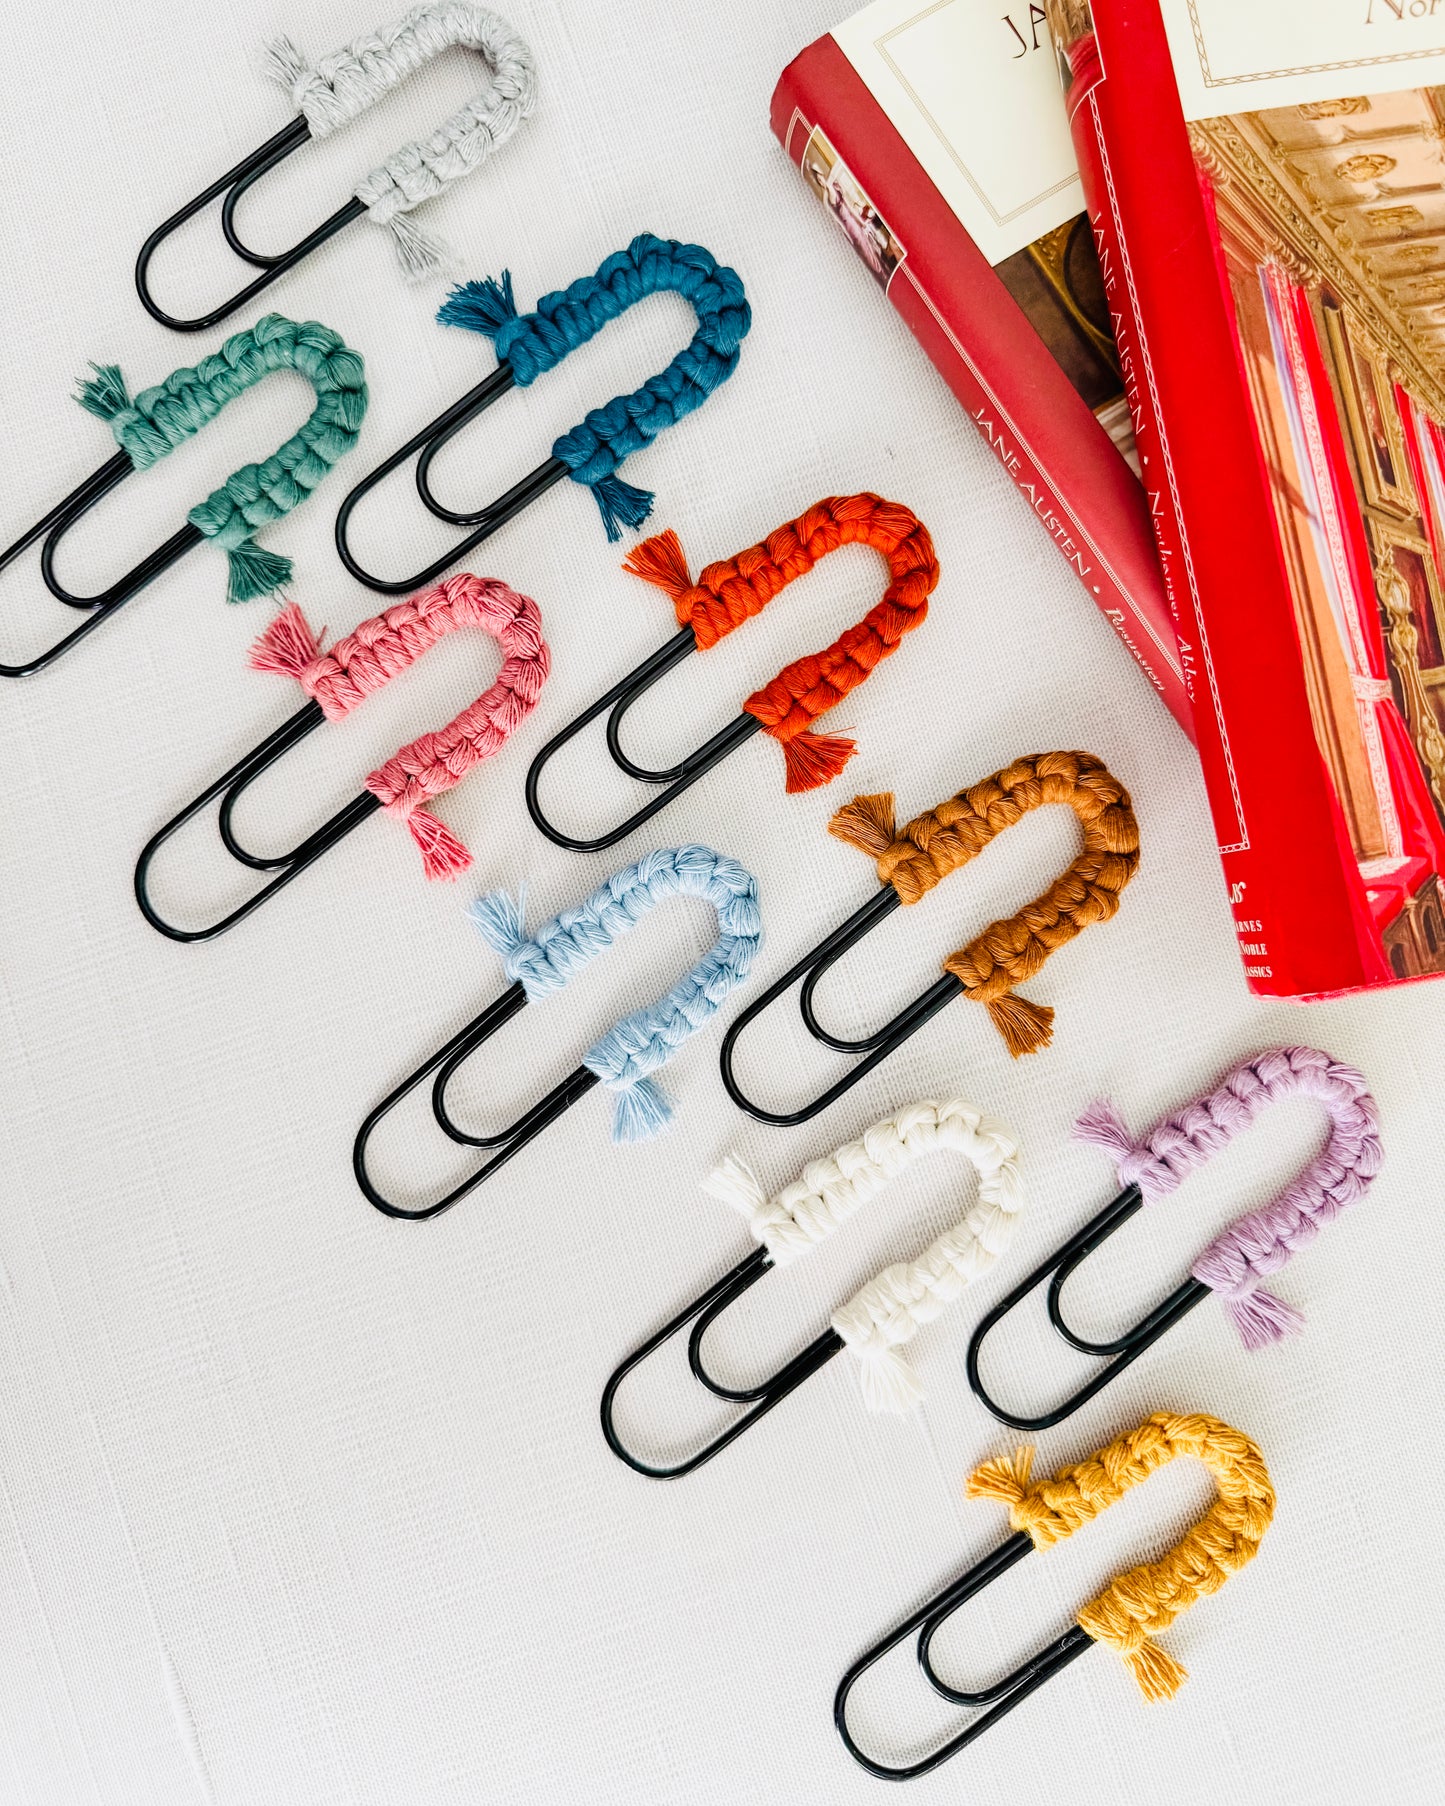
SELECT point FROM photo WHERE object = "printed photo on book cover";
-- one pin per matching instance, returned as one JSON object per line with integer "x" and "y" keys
{"x": 1329, "y": 220}
{"x": 846, "y": 199}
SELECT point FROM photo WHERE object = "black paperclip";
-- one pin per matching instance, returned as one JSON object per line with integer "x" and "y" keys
{"x": 502, "y": 1146}
{"x": 874, "y": 1048}
{"x": 1125, "y": 1349}
{"x": 619, "y": 699}
{"x": 233, "y": 185}
{"x": 229, "y": 787}
{"x": 429, "y": 441}
{"x": 1001, "y": 1698}
{"x": 54, "y": 527}
{"x": 706, "y": 1310}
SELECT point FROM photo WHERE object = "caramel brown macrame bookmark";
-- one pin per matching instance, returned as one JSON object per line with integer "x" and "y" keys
{"x": 733, "y": 590}
{"x": 916, "y": 857}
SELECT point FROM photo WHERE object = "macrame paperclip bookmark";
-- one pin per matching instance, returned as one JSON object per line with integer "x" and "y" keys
{"x": 335, "y": 682}
{"x": 890, "y": 1309}
{"x": 328, "y": 94}
{"x": 633, "y": 1050}
{"x": 731, "y": 592}
{"x": 911, "y": 860}
{"x": 527, "y": 345}
{"x": 1235, "y": 1264}
{"x": 159, "y": 419}
{"x": 1133, "y": 1609}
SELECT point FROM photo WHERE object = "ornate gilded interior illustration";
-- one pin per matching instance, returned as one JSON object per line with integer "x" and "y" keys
{"x": 1331, "y": 224}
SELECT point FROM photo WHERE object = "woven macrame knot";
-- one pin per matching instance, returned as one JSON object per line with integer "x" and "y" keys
{"x": 150, "y": 425}
{"x": 879, "y": 1322}
{"x": 1134, "y": 1608}
{"x": 1008, "y": 953}
{"x": 1238, "y": 1261}
{"x": 634, "y": 1049}
{"x": 534, "y": 343}
{"x": 384, "y": 646}
{"x": 342, "y": 84}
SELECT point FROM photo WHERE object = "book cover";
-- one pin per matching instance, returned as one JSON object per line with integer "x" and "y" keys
{"x": 932, "y": 133}
{"x": 1268, "y": 198}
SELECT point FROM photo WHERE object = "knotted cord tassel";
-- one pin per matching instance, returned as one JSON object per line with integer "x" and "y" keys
{"x": 1158, "y": 1674}
{"x": 642, "y": 1111}
{"x": 103, "y": 394}
{"x": 419, "y": 254}
{"x": 1025, "y": 1026}
{"x": 812, "y": 760}
{"x": 483, "y": 307}
{"x": 442, "y": 854}
{"x": 733, "y": 1182}
{"x": 1260, "y": 1318}
{"x": 1005, "y": 1478}
{"x": 888, "y": 1382}
{"x": 283, "y": 63}
{"x": 253, "y": 572}
{"x": 287, "y": 646}
{"x": 867, "y": 823}
{"x": 660, "y": 561}
{"x": 498, "y": 917}
{"x": 621, "y": 504}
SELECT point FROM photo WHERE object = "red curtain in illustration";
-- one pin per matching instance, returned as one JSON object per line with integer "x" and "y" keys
{"x": 1422, "y": 834}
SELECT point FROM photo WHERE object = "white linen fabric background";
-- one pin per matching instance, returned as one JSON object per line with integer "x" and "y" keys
{"x": 301, "y": 1505}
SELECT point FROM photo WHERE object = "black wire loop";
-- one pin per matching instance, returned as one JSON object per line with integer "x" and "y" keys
{"x": 233, "y": 185}
{"x": 502, "y": 1145}
{"x": 1056, "y": 1269}
{"x": 874, "y": 1048}
{"x": 428, "y": 442}
{"x": 230, "y": 786}
{"x": 53, "y": 527}
{"x": 616, "y": 702}
{"x": 701, "y": 1314}
{"x": 1001, "y": 1698}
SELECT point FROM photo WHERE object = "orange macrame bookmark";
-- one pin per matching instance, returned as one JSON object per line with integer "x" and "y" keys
{"x": 733, "y": 590}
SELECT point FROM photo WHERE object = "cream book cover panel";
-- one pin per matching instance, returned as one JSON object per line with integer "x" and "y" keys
{"x": 1233, "y": 55}
{"x": 973, "y": 90}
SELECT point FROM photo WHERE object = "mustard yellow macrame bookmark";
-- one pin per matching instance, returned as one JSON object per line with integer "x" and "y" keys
{"x": 1133, "y": 1609}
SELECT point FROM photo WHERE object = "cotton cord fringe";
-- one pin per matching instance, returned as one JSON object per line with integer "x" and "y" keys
{"x": 640, "y": 1044}
{"x": 924, "y": 851}
{"x": 536, "y": 342}
{"x": 733, "y": 590}
{"x": 384, "y": 646}
{"x": 891, "y": 1309}
{"x": 344, "y": 83}
{"x": 161, "y": 418}
{"x": 1136, "y": 1607}
{"x": 1237, "y": 1262}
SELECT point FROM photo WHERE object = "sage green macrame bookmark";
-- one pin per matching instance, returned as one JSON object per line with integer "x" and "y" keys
{"x": 158, "y": 419}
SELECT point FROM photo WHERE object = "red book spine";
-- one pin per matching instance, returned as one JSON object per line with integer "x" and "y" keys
{"x": 982, "y": 344}
{"x": 1281, "y": 834}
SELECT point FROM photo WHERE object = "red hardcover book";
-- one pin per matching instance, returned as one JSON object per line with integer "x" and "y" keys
{"x": 1265, "y": 189}
{"x": 1015, "y": 324}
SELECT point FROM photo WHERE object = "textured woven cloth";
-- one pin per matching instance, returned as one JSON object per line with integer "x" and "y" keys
{"x": 299, "y": 1507}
